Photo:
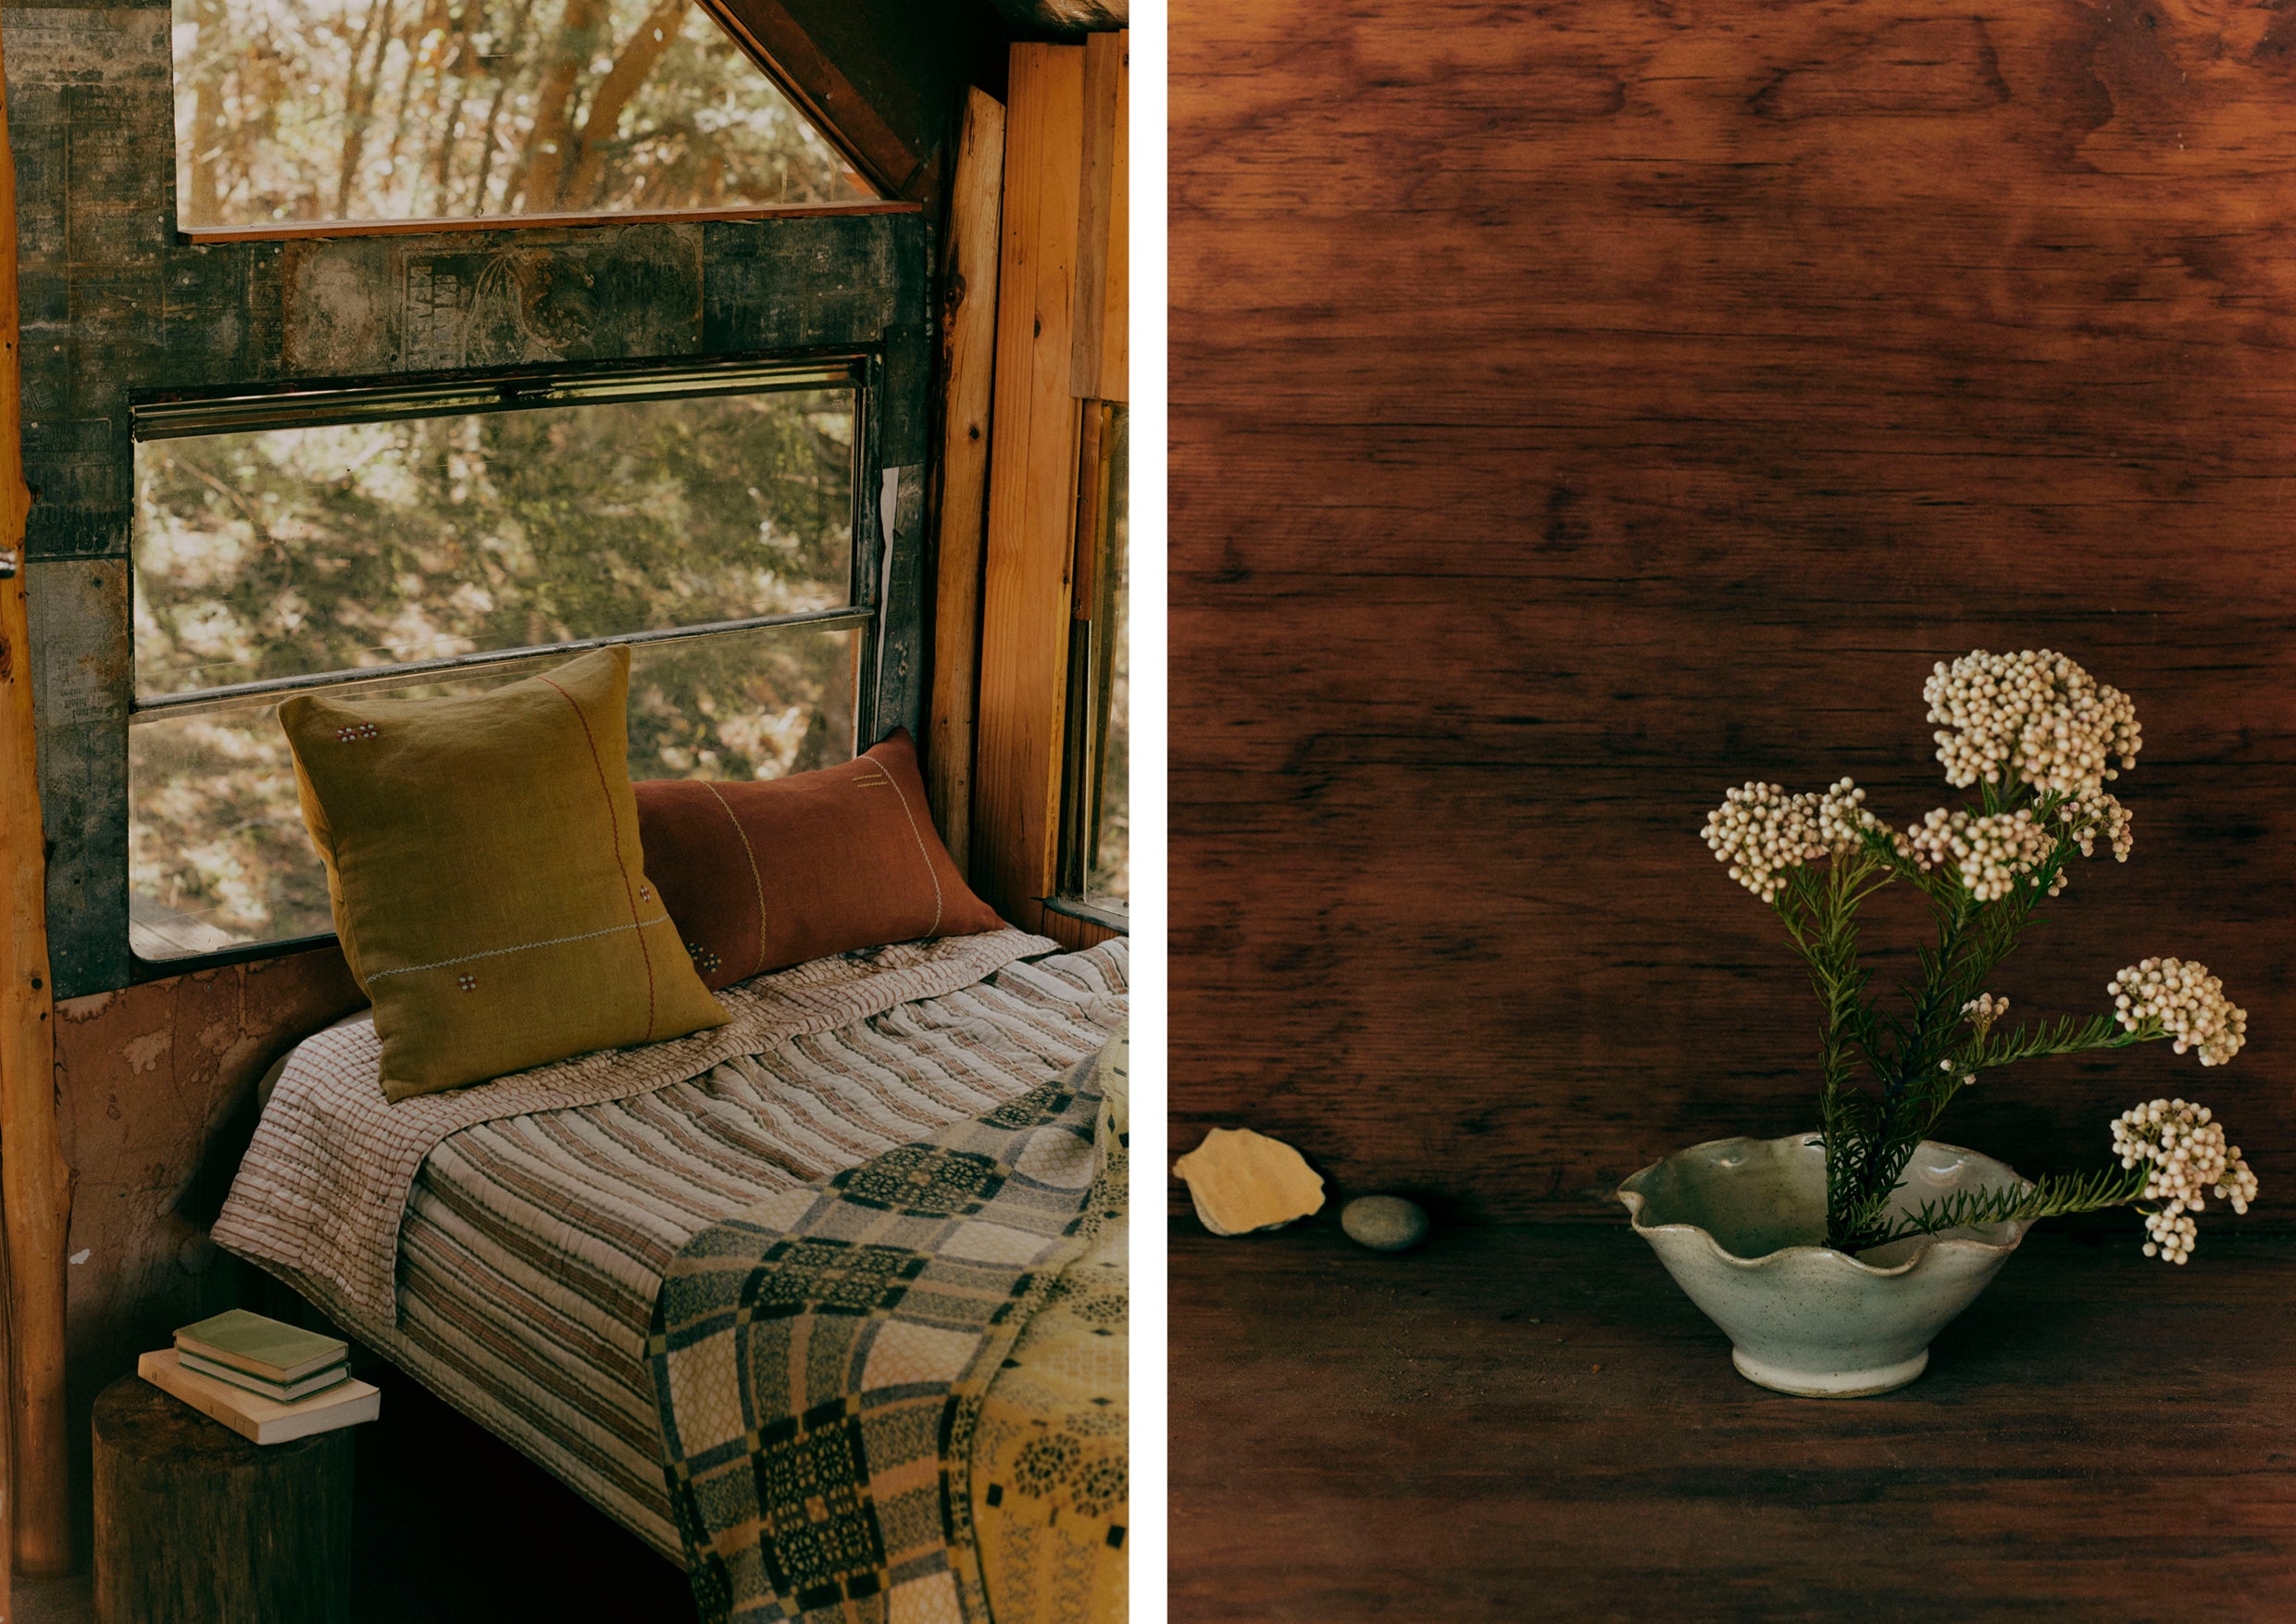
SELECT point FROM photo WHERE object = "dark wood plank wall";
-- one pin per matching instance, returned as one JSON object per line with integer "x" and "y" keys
{"x": 1578, "y": 409}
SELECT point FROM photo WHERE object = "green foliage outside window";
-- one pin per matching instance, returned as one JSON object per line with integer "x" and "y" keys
{"x": 353, "y": 547}
{"x": 398, "y": 109}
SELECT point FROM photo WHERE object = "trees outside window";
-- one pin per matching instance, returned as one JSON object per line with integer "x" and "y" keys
{"x": 414, "y": 110}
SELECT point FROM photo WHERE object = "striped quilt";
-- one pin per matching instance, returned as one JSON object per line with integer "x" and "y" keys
{"x": 524, "y": 1230}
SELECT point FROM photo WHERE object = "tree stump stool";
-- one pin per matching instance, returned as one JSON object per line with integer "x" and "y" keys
{"x": 197, "y": 1525}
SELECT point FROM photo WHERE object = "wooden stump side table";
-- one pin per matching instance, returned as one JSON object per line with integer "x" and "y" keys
{"x": 197, "y": 1525}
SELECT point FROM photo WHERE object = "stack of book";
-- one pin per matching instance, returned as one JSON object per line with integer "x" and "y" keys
{"x": 265, "y": 1380}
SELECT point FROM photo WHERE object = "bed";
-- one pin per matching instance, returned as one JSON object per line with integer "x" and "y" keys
{"x": 504, "y": 1244}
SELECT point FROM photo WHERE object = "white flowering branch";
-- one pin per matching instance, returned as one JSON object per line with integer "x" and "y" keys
{"x": 2036, "y": 736}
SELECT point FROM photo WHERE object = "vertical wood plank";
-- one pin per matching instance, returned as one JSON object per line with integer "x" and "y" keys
{"x": 968, "y": 372}
{"x": 1115, "y": 328}
{"x": 1097, "y": 361}
{"x": 36, "y": 1196}
{"x": 1032, "y": 467}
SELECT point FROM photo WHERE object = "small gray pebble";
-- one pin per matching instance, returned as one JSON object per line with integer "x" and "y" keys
{"x": 1384, "y": 1223}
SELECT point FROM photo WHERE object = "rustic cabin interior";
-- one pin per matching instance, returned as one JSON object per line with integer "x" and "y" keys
{"x": 562, "y": 626}
{"x": 1579, "y": 412}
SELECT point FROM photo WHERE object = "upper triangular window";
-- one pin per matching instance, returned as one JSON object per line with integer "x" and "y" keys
{"x": 291, "y": 110}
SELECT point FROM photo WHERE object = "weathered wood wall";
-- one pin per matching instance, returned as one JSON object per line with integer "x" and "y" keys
{"x": 115, "y": 304}
{"x": 1576, "y": 410}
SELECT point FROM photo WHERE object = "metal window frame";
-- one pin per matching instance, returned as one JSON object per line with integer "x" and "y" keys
{"x": 1083, "y": 769}
{"x": 184, "y": 414}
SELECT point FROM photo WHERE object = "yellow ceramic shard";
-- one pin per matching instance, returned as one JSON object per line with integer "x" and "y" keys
{"x": 1241, "y": 1180}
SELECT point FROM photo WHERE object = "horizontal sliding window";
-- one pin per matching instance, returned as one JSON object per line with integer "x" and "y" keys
{"x": 218, "y": 856}
{"x": 434, "y": 538}
{"x": 288, "y": 552}
{"x": 337, "y": 110}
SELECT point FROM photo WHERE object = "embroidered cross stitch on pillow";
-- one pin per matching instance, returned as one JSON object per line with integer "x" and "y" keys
{"x": 483, "y": 861}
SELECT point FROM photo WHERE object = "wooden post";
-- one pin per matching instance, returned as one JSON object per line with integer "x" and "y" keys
{"x": 1060, "y": 342}
{"x": 35, "y": 1185}
{"x": 968, "y": 371}
{"x": 1023, "y": 612}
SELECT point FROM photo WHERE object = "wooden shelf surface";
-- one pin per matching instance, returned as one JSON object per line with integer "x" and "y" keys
{"x": 1532, "y": 1422}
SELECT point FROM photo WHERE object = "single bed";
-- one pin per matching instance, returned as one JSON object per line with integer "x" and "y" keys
{"x": 514, "y": 1269}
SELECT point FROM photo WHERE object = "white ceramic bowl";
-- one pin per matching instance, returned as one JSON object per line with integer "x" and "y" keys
{"x": 1741, "y": 1224}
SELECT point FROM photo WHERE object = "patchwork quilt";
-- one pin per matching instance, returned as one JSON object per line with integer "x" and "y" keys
{"x": 822, "y": 1362}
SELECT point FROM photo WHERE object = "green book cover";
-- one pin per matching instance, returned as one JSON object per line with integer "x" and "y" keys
{"x": 253, "y": 1341}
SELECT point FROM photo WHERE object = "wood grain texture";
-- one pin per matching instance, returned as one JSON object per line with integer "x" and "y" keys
{"x": 197, "y": 1525}
{"x": 1576, "y": 411}
{"x": 35, "y": 1185}
{"x": 1101, "y": 342}
{"x": 961, "y": 472}
{"x": 1533, "y": 1423}
{"x": 1024, "y": 642}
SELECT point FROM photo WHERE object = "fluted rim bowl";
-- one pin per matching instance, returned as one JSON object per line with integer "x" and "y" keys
{"x": 1741, "y": 1225}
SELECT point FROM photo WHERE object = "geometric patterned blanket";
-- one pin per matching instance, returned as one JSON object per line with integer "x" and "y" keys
{"x": 821, "y": 1361}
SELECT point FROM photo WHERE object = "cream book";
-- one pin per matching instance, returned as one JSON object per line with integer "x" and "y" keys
{"x": 253, "y": 1417}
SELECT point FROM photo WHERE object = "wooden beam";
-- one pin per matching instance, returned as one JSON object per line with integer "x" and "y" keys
{"x": 1024, "y": 643}
{"x": 884, "y": 81}
{"x": 1101, "y": 347}
{"x": 35, "y": 1185}
{"x": 968, "y": 373}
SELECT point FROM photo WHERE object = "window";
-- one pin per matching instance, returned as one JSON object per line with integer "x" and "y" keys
{"x": 428, "y": 538}
{"x": 296, "y": 110}
{"x": 1094, "y": 842}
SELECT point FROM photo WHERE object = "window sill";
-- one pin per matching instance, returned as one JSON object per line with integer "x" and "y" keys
{"x": 303, "y": 230}
{"x": 1107, "y": 917}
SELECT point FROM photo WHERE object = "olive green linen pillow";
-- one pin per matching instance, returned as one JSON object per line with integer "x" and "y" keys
{"x": 483, "y": 862}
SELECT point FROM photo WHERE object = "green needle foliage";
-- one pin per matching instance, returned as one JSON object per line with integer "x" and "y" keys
{"x": 1891, "y": 1069}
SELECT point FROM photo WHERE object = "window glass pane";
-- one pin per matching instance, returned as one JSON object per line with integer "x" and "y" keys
{"x": 420, "y": 110}
{"x": 218, "y": 853}
{"x": 290, "y": 551}
{"x": 1110, "y": 877}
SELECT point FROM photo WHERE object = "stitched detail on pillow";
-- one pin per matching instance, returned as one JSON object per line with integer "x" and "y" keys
{"x": 439, "y": 964}
{"x": 750, "y": 853}
{"x": 923, "y": 856}
{"x": 828, "y": 866}
{"x": 613, "y": 825}
{"x": 462, "y": 841}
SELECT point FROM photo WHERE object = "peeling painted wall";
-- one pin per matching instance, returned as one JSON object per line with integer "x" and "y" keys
{"x": 155, "y": 1098}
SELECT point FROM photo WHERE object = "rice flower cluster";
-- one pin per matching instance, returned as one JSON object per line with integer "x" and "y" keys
{"x": 2186, "y": 1001}
{"x": 2095, "y": 812}
{"x": 2187, "y": 1161}
{"x": 1991, "y": 852}
{"x": 1761, "y": 831}
{"x": 2034, "y": 715}
{"x": 1842, "y": 820}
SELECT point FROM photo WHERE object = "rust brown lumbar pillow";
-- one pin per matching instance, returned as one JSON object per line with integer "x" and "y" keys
{"x": 760, "y": 876}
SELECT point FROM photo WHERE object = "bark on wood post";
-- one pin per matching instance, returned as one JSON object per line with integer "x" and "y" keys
{"x": 197, "y": 1525}
{"x": 35, "y": 1188}
{"x": 968, "y": 372}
